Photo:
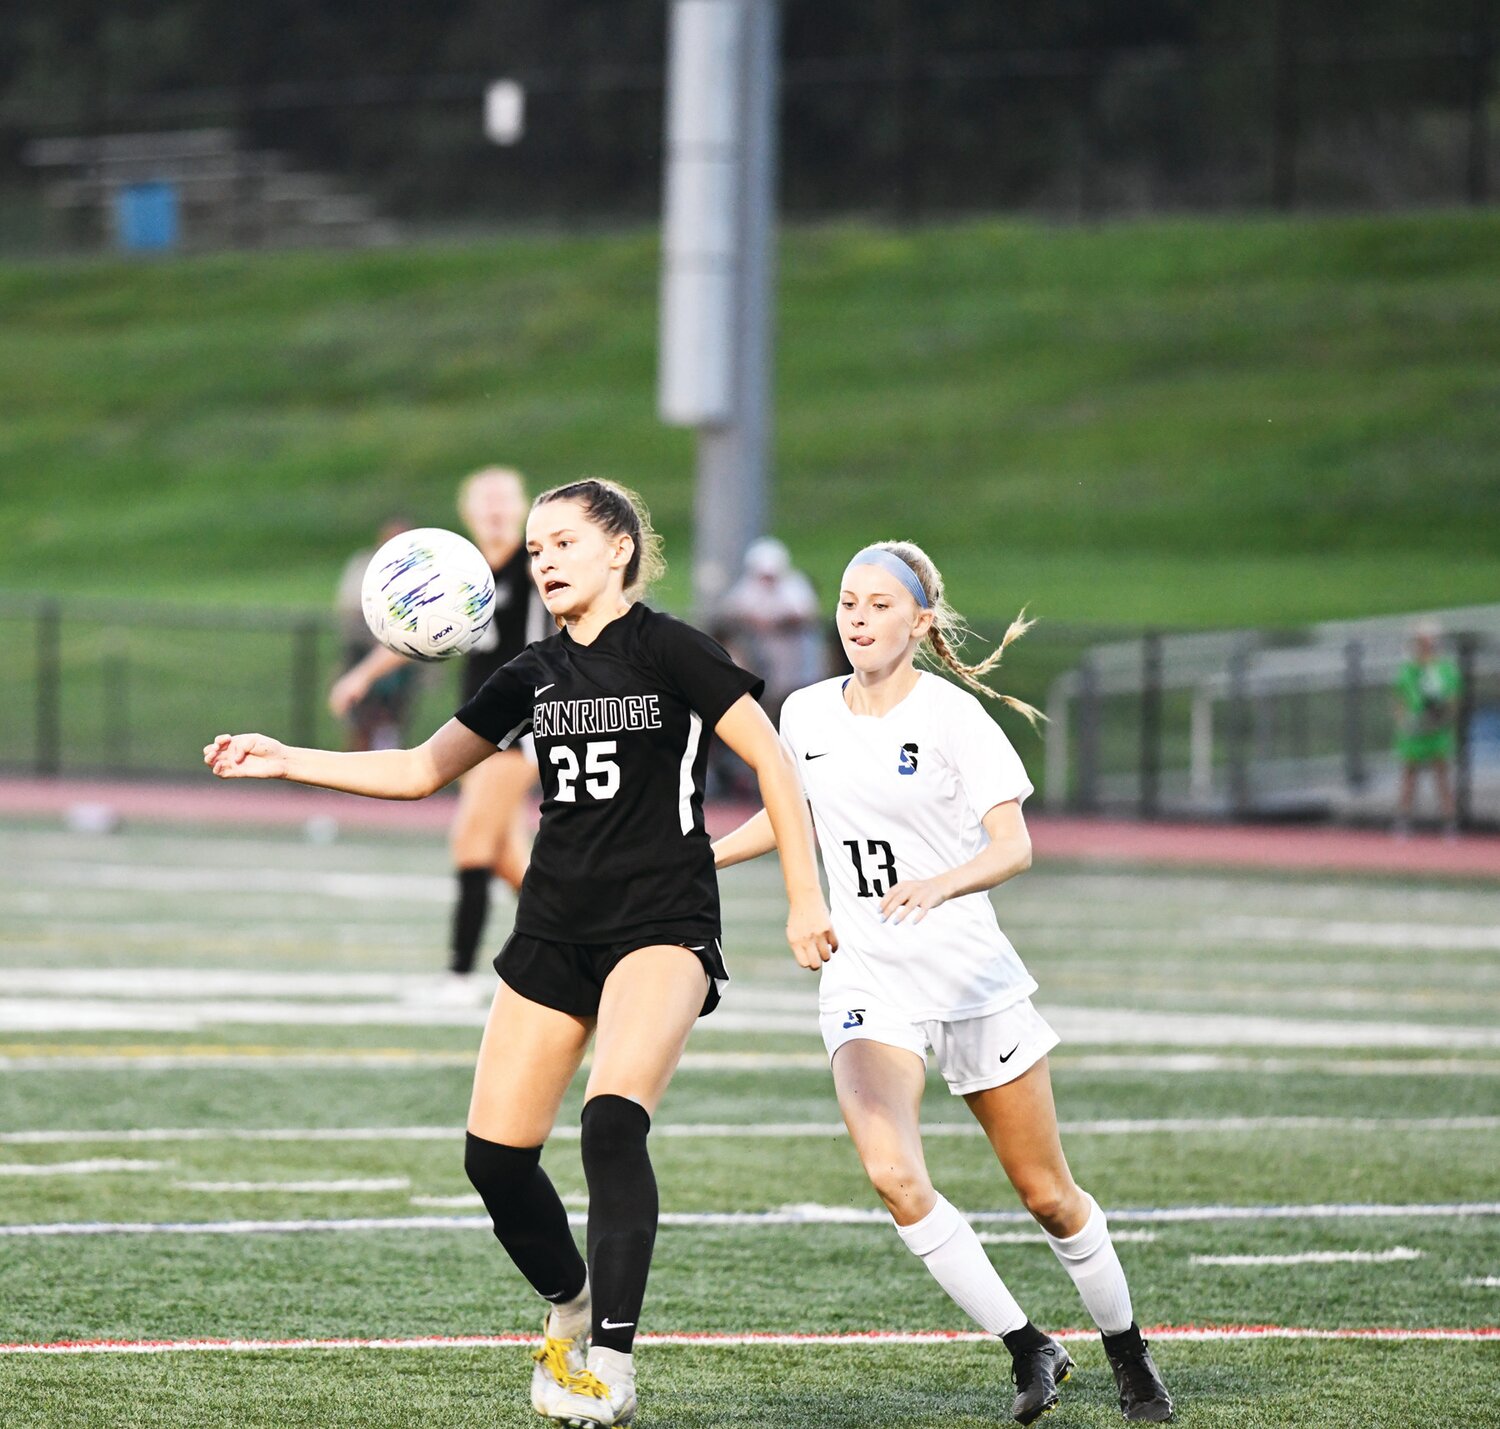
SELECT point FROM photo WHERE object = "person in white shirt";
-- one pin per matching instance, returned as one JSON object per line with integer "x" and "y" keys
{"x": 916, "y": 797}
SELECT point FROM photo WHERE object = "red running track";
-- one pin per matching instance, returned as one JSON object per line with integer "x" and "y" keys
{"x": 1293, "y": 848}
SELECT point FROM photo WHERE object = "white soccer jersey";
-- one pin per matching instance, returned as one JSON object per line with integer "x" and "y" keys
{"x": 901, "y": 797}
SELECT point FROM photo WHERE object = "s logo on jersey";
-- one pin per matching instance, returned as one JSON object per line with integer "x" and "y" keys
{"x": 907, "y": 759}
{"x": 855, "y": 1017}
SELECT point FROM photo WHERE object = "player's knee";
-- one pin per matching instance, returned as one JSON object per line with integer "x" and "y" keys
{"x": 1049, "y": 1200}
{"x": 496, "y": 1171}
{"x": 614, "y": 1130}
{"x": 904, "y": 1186}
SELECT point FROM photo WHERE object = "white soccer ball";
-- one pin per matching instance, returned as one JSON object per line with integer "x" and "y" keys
{"x": 428, "y": 594}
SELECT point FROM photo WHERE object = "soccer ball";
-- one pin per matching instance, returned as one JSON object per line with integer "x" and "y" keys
{"x": 428, "y": 594}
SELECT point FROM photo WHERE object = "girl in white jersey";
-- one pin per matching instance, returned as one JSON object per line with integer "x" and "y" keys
{"x": 916, "y": 797}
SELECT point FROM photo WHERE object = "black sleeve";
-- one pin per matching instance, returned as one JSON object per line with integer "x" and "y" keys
{"x": 700, "y": 670}
{"x": 501, "y": 709}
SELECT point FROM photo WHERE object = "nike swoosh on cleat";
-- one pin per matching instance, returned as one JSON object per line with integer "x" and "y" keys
{"x": 816, "y": 756}
{"x": 1011, "y": 1053}
{"x": 608, "y": 1324}
{"x": 541, "y": 689}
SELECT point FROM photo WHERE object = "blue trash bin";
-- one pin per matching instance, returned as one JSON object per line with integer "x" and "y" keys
{"x": 146, "y": 217}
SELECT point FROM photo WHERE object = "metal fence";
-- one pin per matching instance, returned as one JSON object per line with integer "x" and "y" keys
{"x": 1261, "y": 724}
{"x": 100, "y": 689}
{"x": 1213, "y": 724}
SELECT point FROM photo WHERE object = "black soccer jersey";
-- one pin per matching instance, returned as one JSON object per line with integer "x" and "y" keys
{"x": 520, "y": 617}
{"x": 621, "y": 729}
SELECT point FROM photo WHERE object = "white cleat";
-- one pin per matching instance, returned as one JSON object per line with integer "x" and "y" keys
{"x": 590, "y": 1402}
{"x": 558, "y": 1363}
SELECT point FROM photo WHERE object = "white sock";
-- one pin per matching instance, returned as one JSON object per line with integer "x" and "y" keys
{"x": 611, "y": 1366}
{"x": 948, "y": 1247}
{"x": 1089, "y": 1257}
{"x": 570, "y": 1319}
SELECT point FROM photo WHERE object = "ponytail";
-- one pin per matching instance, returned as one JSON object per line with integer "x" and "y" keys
{"x": 949, "y": 631}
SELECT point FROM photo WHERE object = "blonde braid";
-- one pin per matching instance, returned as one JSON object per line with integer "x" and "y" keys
{"x": 949, "y": 631}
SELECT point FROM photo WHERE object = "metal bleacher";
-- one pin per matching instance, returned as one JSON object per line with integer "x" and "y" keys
{"x": 228, "y": 195}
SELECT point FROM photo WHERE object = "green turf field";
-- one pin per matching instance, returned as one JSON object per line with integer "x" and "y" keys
{"x": 206, "y": 1028}
{"x": 1187, "y": 422}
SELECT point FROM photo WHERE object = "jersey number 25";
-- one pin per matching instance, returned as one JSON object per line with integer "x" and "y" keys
{"x": 602, "y": 774}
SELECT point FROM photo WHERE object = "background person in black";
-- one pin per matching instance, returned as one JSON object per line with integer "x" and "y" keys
{"x": 487, "y": 836}
{"x": 617, "y": 929}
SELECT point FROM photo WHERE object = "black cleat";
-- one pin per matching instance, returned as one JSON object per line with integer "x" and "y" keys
{"x": 1143, "y": 1397}
{"x": 1037, "y": 1374}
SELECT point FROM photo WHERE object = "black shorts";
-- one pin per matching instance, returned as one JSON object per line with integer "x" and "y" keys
{"x": 570, "y": 976}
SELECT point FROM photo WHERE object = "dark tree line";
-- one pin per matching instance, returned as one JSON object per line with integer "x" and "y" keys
{"x": 892, "y": 106}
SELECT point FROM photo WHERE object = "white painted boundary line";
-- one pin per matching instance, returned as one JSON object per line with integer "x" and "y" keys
{"x": 1314, "y": 1257}
{"x": 371, "y": 1183}
{"x": 98, "y": 1167}
{"x": 758, "y": 1010}
{"x": 727, "y": 1341}
{"x": 802, "y": 1215}
{"x": 397, "y": 1060}
{"x": 734, "y": 1131}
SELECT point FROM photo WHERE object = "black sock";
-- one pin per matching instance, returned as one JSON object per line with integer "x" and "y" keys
{"x": 1126, "y": 1342}
{"x": 1028, "y": 1337}
{"x": 528, "y": 1215}
{"x": 622, "y": 1215}
{"x": 469, "y": 915}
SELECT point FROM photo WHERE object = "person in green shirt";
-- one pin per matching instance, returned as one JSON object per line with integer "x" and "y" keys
{"x": 1427, "y": 690}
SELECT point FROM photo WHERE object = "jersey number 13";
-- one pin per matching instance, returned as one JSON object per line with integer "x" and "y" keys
{"x": 601, "y": 773}
{"x": 883, "y": 861}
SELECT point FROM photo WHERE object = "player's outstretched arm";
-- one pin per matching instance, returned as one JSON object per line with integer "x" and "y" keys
{"x": 747, "y": 731}
{"x": 354, "y": 684}
{"x": 1007, "y": 854}
{"x": 378, "y": 773}
{"x": 752, "y": 839}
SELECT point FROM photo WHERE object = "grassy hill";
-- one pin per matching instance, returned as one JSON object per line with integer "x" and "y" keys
{"x": 1183, "y": 422}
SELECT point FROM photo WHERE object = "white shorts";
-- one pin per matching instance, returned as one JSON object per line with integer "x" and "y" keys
{"x": 973, "y": 1053}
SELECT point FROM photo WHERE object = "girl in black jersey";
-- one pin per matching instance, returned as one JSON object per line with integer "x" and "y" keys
{"x": 487, "y": 835}
{"x": 617, "y": 928}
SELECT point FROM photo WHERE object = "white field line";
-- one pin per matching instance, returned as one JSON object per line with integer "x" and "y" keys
{"x": 735, "y": 1131}
{"x": 367, "y": 888}
{"x": 105, "y": 1059}
{"x": 472, "y": 1202}
{"x": 1314, "y": 1257}
{"x": 1485, "y": 1282}
{"x": 1085, "y": 1025}
{"x": 799, "y": 1215}
{"x": 770, "y": 1339}
{"x": 437, "y": 888}
{"x": 1036, "y": 1237}
{"x": 774, "y": 1130}
{"x": 369, "y": 1183}
{"x": 100, "y": 1167}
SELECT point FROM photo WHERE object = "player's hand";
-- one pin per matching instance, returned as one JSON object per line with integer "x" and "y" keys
{"x": 914, "y": 896}
{"x": 246, "y": 756}
{"x": 348, "y": 690}
{"x": 809, "y": 931}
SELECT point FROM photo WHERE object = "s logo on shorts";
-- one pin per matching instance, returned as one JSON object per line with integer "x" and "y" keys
{"x": 855, "y": 1017}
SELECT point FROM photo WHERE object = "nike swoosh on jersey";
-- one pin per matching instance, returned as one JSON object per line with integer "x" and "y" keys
{"x": 541, "y": 689}
{"x": 817, "y": 756}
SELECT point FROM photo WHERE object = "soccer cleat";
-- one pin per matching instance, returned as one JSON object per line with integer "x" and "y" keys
{"x": 1143, "y": 1397}
{"x": 558, "y": 1361}
{"x": 1037, "y": 1374}
{"x": 588, "y": 1402}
